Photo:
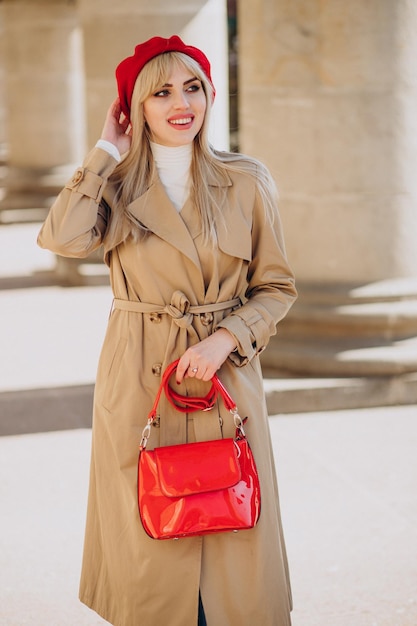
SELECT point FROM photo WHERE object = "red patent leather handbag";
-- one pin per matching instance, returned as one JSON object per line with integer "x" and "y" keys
{"x": 197, "y": 488}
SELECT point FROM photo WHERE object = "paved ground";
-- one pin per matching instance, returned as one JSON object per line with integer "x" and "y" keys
{"x": 348, "y": 479}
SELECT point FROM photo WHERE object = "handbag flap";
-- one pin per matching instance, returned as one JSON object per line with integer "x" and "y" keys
{"x": 199, "y": 467}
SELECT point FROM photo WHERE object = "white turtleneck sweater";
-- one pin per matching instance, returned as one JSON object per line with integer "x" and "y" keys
{"x": 172, "y": 164}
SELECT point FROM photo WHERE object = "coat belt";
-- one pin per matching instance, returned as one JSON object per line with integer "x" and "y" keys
{"x": 179, "y": 308}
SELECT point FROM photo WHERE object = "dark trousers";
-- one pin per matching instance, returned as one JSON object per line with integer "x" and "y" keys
{"x": 201, "y": 616}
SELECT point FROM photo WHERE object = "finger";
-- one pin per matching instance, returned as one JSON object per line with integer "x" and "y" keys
{"x": 124, "y": 123}
{"x": 181, "y": 370}
{"x": 193, "y": 371}
{"x": 116, "y": 104}
{"x": 114, "y": 108}
{"x": 207, "y": 374}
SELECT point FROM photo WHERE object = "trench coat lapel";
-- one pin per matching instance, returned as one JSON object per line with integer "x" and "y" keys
{"x": 155, "y": 211}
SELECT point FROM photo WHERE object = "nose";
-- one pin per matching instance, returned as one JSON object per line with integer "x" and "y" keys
{"x": 181, "y": 100}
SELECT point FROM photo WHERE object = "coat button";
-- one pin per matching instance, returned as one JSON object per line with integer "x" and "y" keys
{"x": 156, "y": 369}
{"x": 78, "y": 176}
{"x": 156, "y": 318}
{"x": 206, "y": 318}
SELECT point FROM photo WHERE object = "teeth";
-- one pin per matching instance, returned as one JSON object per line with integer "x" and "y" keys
{"x": 183, "y": 120}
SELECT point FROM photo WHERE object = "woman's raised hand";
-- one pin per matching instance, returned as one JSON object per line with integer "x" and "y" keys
{"x": 117, "y": 129}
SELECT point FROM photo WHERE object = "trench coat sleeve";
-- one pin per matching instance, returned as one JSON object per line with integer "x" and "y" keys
{"x": 271, "y": 289}
{"x": 77, "y": 220}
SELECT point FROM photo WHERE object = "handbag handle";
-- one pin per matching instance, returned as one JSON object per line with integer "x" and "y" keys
{"x": 189, "y": 404}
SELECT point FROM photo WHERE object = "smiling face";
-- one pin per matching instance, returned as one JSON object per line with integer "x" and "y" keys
{"x": 175, "y": 112}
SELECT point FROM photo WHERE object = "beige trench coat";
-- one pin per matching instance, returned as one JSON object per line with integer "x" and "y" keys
{"x": 128, "y": 578}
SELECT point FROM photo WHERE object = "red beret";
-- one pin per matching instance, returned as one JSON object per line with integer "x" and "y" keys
{"x": 128, "y": 70}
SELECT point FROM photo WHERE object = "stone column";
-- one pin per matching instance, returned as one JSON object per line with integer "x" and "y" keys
{"x": 328, "y": 101}
{"x": 112, "y": 29}
{"x": 44, "y": 99}
{"x": 3, "y": 135}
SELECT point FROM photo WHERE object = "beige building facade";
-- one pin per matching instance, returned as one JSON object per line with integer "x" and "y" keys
{"x": 327, "y": 99}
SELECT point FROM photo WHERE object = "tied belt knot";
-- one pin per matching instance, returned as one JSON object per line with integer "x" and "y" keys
{"x": 180, "y": 309}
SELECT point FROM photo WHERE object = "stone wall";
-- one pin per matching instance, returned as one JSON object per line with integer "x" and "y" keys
{"x": 328, "y": 96}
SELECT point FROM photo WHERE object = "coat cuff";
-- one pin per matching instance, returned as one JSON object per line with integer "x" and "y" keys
{"x": 251, "y": 333}
{"x": 90, "y": 180}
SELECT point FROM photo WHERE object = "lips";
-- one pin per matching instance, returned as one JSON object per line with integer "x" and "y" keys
{"x": 181, "y": 121}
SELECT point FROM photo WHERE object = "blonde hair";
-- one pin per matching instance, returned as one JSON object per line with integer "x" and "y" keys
{"x": 132, "y": 177}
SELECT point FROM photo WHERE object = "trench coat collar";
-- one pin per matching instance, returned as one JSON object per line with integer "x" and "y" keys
{"x": 155, "y": 211}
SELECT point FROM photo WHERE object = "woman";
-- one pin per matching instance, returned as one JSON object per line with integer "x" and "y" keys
{"x": 182, "y": 226}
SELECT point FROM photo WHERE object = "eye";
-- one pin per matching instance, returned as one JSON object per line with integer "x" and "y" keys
{"x": 161, "y": 93}
{"x": 194, "y": 87}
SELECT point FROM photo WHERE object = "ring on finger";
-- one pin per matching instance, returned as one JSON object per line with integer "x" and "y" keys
{"x": 194, "y": 370}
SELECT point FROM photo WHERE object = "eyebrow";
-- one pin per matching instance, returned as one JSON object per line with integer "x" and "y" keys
{"x": 190, "y": 80}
